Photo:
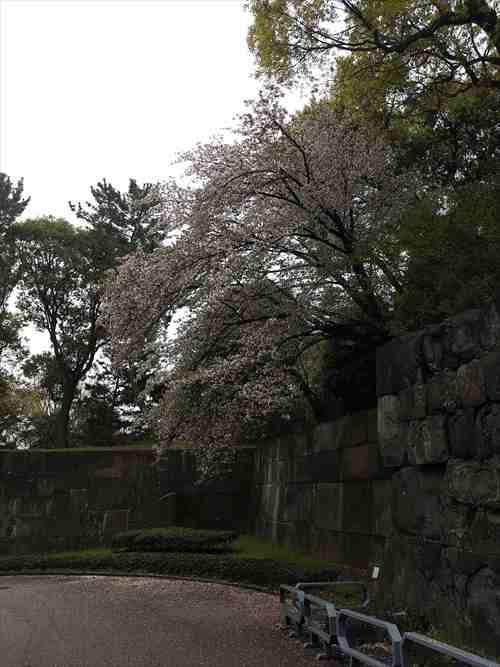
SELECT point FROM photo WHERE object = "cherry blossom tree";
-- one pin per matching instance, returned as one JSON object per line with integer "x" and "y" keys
{"x": 286, "y": 237}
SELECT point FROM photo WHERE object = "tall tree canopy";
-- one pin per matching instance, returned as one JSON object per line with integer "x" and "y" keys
{"x": 428, "y": 69}
{"x": 12, "y": 205}
{"x": 438, "y": 41}
{"x": 60, "y": 271}
{"x": 127, "y": 220}
{"x": 288, "y": 237}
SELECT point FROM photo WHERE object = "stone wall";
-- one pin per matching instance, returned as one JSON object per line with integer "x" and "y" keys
{"x": 439, "y": 431}
{"x": 223, "y": 504}
{"x": 413, "y": 486}
{"x": 326, "y": 491}
{"x": 59, "y": 498}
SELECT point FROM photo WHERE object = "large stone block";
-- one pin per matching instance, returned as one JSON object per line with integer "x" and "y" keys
{"x": 114, "y": 521}
{"x": 67, "y": 526}
{"x": 46, "y": 487}
{"x": 416, "y": 501}
{"x": 410, "y": 565}
{"x": 372, "y": 425}
{"x": 471, "y": 385}
{"x": 329, "y": 545}
{"x": 289, "y": 445}
{"x": 461, "y": 337}
{"x": 359, "y": 428}
{"x": 487, "y": 431}
{"x": 455, "y": 523}
{"x": 29, "y": 527}
{"x": 323, "y": 466}
{"x": 273, "y": 469}
{"x": 363, "y": 550}
{"x": 345, "y": 426}
{"x": 483, "y": 606}
{"x": 79, "y": 500}
{"x": 432, "y": 349}
{"x": 490, "y": 364}
{"x": 442, "y": 392}
{"x": 461, "y": 434}
{"x": 399, "y": 364}
{"x": 484, "y": 532}
{"x": 489, "y": 335}
{"x": 474, "y": 483}
{"x": 298, "y": 502}
{"x": 272, "y": 501}
{"x": 362, "y": 462}
{"x": 325, "y": 436}
{"x": 358, "y": 508}
{"x": 111, "y": 494}
{"x": 328, "y": 506}
{"x": 382, "y": 507}
{"x": 296, "y": 535}
{"x": 391, "y": 432}
{"x": 413, "y": 402}
{"x": 427, "y": 441}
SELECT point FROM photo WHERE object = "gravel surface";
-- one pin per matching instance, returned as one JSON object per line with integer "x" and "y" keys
{"x": 95, "y": 621}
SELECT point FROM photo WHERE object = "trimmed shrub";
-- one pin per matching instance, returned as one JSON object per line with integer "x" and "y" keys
{"x": 259, "y": 572}
{"x": 174, "y": 539}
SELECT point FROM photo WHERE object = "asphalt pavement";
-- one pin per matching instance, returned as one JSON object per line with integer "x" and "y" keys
{"x": 95, "y": 621}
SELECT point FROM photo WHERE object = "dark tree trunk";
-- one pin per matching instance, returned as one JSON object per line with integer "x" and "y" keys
{"x": 62, "y": 424}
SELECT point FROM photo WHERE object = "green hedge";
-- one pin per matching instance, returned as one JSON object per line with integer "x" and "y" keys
{"x": 174, "y": 539}
{"x": 259, "y": 572}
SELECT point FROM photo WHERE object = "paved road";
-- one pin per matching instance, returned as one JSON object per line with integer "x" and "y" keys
{"x": 57, "y": 621}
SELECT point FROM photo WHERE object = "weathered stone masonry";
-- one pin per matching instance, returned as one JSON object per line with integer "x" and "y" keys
{"x": 413, "y": 485}
{"x": 68, "y": 499}
{"x": 439, "y": 431}
{"x": 325, "y": 491}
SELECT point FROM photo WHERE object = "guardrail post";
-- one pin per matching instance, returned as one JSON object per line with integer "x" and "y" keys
{"x": 392, "y": 630}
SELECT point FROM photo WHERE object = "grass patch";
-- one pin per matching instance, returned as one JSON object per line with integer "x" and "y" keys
{"x": 249, "y": 546}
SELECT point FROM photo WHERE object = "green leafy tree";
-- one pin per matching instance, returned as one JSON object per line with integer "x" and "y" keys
{"x": 42, "y": 377}
{"x": 12, "y": 205}
{"x": 427, "y": 75}
{"x": 124, "y": 222}
{"x": 440, "y": 41}
{"x": 60, "y": 271}
{"x": 128, "y": 221}
{"x": 109, "y": 408}
{"x": 454, "y": 261}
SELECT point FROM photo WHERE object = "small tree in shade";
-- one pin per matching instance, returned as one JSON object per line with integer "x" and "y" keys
{"x": 60, "y": 271}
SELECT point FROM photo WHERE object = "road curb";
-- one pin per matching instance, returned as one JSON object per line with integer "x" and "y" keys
{"x": 130, "y": 575}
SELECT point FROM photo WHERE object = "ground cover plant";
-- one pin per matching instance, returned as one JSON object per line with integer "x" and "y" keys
{"x": 251, "y": 563}
{"x": 174, "y": 539}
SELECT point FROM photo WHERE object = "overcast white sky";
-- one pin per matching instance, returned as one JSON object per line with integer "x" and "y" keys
{"x": 113, "y": 89}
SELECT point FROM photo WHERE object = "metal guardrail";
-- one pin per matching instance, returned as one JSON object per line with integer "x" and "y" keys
{"x": 329, "y": 630}
{"x": 335, "y": 584}
{"x": 299, "y": 614}
{"x": 463, "y": 657}
{"x": 392, "y": 630}
{"x": 291, "y": 614}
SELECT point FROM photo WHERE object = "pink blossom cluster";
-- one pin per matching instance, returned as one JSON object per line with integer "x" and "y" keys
{"x": 287, "y": 236}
